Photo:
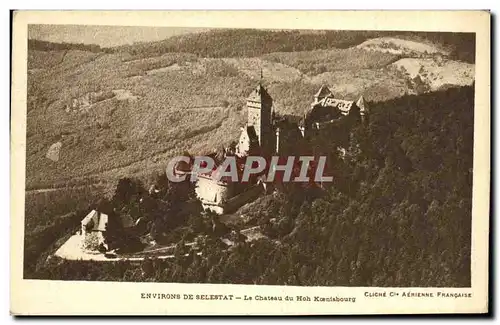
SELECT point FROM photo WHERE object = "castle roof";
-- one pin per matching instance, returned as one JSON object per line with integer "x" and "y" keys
{"x": 361, "y": 104}
{"x": 96, "y": 221}
{"x": 259, "y": 94}
{"x": 324, "y": 91}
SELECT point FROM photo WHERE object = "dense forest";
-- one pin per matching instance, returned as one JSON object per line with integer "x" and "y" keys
{"x": 37, "y": 45}
{"x": 247, "y": 42}
{"x": 398, "y": 214}
{"x": 254, "y": 42}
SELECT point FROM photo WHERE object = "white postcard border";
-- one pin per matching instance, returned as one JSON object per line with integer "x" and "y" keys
{"x": 38, "y": 297}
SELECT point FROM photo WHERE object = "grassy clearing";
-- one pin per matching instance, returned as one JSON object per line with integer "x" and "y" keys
{"x": 401, "y": 46}
{"x": 436, "y": 73}
{"x": 273, "y": 71}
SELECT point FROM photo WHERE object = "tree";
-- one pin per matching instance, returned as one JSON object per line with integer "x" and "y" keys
{"x": 127, "y": 190}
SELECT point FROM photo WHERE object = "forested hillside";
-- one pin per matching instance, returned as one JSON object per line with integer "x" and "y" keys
{"x": 399, "y": 213}
{"x": 37, "y": 45}
{"x": 253, "y": 42}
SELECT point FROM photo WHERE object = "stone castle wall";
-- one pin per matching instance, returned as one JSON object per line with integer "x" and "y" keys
{"x": 249, "y": 195}
{"x": 210, "y": 191}
{"x": 235, "y": 202}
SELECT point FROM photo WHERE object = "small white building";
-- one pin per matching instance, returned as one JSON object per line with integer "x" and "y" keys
{"x": 93, "y": 230}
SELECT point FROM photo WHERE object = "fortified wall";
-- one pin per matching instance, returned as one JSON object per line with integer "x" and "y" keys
{"x": 213, "y": 192}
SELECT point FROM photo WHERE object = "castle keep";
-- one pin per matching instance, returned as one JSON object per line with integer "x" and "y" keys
{"x": 260, "y": 123}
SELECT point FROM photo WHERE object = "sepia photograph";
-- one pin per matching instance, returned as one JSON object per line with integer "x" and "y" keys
{"x": 264, "y": 156}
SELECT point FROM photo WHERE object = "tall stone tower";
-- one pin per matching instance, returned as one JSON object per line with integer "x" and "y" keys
{"x": 259, "y": 105}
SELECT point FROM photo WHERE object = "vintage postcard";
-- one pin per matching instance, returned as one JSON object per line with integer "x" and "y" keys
{"x": 250, "y": 162}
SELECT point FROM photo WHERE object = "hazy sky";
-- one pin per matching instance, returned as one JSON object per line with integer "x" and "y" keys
{"x": 104, "y": 35}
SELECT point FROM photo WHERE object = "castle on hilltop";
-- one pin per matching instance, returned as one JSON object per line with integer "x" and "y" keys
{"x": 267, "y": 134}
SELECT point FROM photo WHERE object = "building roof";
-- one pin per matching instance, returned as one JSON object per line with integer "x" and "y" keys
{"x": 259, "y": 94}
{"x": 361, "y": 104}
{"x": 324, "y": 91}
{"x": 96, "y": 221}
